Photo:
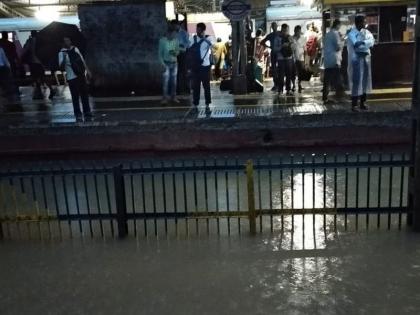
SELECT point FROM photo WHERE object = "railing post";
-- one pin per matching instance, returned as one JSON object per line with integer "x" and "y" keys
{"x": 120, "y": 201}
{"x": 1, "y": 231}
{"x": 251, "y": 197}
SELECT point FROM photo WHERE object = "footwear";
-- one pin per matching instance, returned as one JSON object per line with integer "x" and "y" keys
{"x": 194, "y": 109}
{"x": 52, "y": 94}
{"x": 364, "y": 107}
{"x": 354, "y": 109}
{"x": 208, "y": 111}
{"x": 175, "y": 100}
{"x": 300, "y": 89}
{"x": 89, "y": 117}
{"x": 328, "y": 102}
{"x": 289, "y": 93}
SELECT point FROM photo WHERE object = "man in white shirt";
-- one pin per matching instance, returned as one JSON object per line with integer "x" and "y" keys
{"x": 4, "y": 72}
{"x": 299, "y": 56}
{"x": 333, "y": 50}
{"x": 359, "y": 43}
{"x": 71, "y": 60}
{"x": 201, "y": 72}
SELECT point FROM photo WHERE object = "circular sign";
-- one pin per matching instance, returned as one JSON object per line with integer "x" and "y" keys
{"x": 236, "y": 10}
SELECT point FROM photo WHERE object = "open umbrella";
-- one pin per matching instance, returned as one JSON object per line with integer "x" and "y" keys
{"x": 49, "y": 42}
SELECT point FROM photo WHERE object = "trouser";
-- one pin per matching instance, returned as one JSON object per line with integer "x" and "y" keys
{"x": 169, "y": 80}
{"x": 201, "y": 76}
{"x": 274, "y": 68}
{"x": 284, "y": 74}
{"x": 299, "y": 67}
{"x": 78, "y": 89}
{"x": 5, "y": 78}
{"x": 360, "y": 76}
{"x": 183, "y": 85}
{"x": 332, "y": 77}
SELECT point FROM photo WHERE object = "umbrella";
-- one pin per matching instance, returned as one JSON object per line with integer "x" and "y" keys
{"x": 49, "y": 42}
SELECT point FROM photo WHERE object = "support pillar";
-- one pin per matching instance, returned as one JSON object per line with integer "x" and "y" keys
{"x": 239, "y": 56}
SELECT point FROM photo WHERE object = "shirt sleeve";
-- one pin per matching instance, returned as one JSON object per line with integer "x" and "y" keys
{"x": 4, "y": 58}
{"x": 352, "y": 37}
{"x": 60, "y": 58}
{"x": 370, "y": 40}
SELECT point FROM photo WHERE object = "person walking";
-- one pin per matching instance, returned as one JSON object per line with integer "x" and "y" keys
{"x": 273, "y": 54}
{"x": 359, "y": 43}
{"x": 71, "y": 60}
{"x": 219, "y": 54}
{"x": 299, "y": 57}
{"x": 200, "y": 65}
{"x": 333, "y": 51}
{"x": 168, "y": 53}
{"x": 37, "y": 70}
{"x": 283, "y": 47}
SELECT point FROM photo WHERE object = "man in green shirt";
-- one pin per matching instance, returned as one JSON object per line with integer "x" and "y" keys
{"x": 168, "y": 53}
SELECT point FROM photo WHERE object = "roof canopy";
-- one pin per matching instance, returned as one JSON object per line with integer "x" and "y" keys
{"x": 365, "y": 2}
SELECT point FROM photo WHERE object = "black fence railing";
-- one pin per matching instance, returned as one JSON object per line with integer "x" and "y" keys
{"x": 203, "y": 197}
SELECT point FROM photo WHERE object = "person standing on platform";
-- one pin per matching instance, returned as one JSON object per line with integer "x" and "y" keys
{"x": 299, "y": 57}
{"x": 359, "y": 43}
{"x": 168, "y": 58}
{"x": 229, "y": 57}
{"x": 283, "y": 47}
{"x": 273, "y": 55}
{"x": 183, "y": 86}
{"x": 219, "y": 55}
{"x": 71, "y": 60}
{"x": 200, "y": 65}
{"x": 10, "y": 51}
{"x": 333, "y": 51}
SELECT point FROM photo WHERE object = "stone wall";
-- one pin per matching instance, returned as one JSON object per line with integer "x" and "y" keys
{"x": 122, "y": 45}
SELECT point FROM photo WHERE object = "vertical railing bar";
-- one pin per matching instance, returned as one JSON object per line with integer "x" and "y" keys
{"x": 346, "y": 192}
{"x": 66, "y": 200}
{"x": 259, "y": 194}
{"x": 227, "y": 193}
{"x": 292, "y": 185}
{"x": 46, "y": 205}
{"x": 401, "y": 193}
{"x": 24, "y": 197}
{"x": 368, "y": 189}
{"x": 335, "y": 192}
{"x": 88, "y": 204}
{"x": 16, "y": 208}
{"x": 133, "y": 200}
{"x": 184, "y": 185}
{"x": 357, "y": 190}
{"x": 303, "y": 193}
{"x": 206, "y": 197}
{"x": 164, "y": 198}
{"x": 216, "y": 186}
{"x": 98, "y": 202}
{"x": 197, "y": 229}
{"x": 238, "y": 200}
{"x": 154, "y": 201}
{"x": 324, "y": 196}
{"x": 175, "y": 199}
{"x": 281, "y": 195}
{"x": 313, "y": 190}
{"x": 76, "y": 196}
{"x": 270, "y": 179}
{"x": 35, "y": 201}
{"x": 391, "y": 179}
{"x": 143, "y": 197}
{"x": 379, "y": 192}
{"x": 108, "y": 198}
{"x": 57, "y": 207}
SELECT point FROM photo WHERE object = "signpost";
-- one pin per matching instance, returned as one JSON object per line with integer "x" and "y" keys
{"x": 236, "y": 11}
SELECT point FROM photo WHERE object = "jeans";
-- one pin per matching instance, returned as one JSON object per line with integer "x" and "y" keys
{"x": 332, "y": 76}
{"x": 274, "y": 68}
{"x": 284, "y": 72}
{"x": 78, "y": 89}
{"x": 201, "y": 76}
{"x": 169, "y": 80}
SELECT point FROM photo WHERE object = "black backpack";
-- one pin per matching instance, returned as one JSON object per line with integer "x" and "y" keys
{"x": 194, "y": 60}
{"x": 76, "y": 62}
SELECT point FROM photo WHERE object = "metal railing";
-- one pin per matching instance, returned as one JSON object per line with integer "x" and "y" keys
{"x": 202, "y": 197}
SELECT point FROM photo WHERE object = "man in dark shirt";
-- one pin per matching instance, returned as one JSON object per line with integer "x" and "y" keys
{"x": 274, "y": 67}
{"x": 10, "y": 51}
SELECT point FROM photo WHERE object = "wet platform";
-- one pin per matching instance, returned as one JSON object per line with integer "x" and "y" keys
{"x": 26, "y": 111}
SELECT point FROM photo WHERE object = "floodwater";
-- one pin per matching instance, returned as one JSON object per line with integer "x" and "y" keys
{"x": 350, "y": 273}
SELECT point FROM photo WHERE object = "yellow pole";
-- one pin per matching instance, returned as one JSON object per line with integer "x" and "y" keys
{"x": 251, "y": 197}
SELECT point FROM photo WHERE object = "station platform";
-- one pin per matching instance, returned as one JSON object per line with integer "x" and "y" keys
{"x": 256, "y": 119}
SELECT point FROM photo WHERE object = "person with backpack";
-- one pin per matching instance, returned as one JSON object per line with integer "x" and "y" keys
{"x": 168, "y": 53}
{"x": 200, "y": 60}
{"x": 284, "y": 47}
{"x": 71, "y": 61}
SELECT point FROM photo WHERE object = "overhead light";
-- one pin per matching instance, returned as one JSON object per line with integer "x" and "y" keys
{"x": 48, "y": 14}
